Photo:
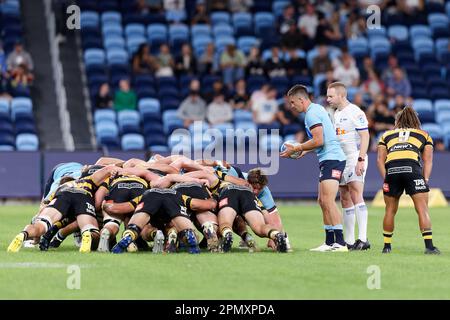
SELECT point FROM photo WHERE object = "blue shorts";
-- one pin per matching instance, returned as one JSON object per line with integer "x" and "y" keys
{"x": 331, "y": 169}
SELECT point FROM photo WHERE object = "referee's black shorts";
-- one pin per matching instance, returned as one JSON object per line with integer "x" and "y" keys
{"x": 404, "y": 176}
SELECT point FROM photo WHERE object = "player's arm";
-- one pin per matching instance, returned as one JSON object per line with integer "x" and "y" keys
{"x": 364, "y": 137}
{"x": 167, "y": 181}
{"x": 141, "y": 173}
{"x": 100, "y": 175}
{"x": 186, "y": 164}
{"x": 133, "y": 162}
{"x": 100, "y": 195}
{"x": 427, "y": 157}
{"x": 381, "y": 159}
{"x": 200, "y": 205}
{"x": 104, "y": 161}
{"x": 315, "y": 142}
{"x": 111, "y": 207}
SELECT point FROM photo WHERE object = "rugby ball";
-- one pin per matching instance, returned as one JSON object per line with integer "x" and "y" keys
{"x": 294, "y": 143}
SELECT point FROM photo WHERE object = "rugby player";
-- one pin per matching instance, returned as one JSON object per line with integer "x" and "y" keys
{"x": 353, "y": 134}
{"x": 72, "y": 199}
{"x": 324, "y": 142}
{"x": 400, "y": 152}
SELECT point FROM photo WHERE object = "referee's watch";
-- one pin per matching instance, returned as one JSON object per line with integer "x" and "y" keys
{"x": 360, "y": 159}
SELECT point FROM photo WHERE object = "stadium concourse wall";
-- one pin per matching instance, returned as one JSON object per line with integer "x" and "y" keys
{"x": 23, "y": 174}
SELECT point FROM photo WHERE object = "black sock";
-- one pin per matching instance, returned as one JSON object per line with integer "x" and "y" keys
{"x": 329, "y": 236}
{"x": 428, "y": 239}
{"x": 339, "y": 236}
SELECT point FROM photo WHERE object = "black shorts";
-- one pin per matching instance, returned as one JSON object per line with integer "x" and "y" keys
{"x": 331, "y": 169}
{"x": 162, "y": 204}
{"x": 404, "y": 176}
{"x": 71, "y": 204}
{"x": 193, "y": 190}
{"x": 125, "y": 191}
{"x": 239, "y": 198}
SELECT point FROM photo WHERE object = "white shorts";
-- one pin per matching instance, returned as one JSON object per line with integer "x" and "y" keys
{"x": 349, "y": 174}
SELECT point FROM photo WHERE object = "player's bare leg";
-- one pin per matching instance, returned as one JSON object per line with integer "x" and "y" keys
{"x": 40, "y": 226}
{"x": 388, "y": 221}
{"x": 210, "y": 225}
{"x": 226, "y": 218}
{"x": 240, "y": 228}
{"x": 63, "y": 233}
{"x": 186, "y": 233}
{"x": 421, "y": 205}
{"x": 256, "y": 222}
{"x": 90, "y": 235}
{"x": 274, "y": 219}
{"x": 132, "y": 232}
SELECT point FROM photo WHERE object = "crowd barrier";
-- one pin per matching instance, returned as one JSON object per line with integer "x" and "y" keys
{"x": 22, "y": 174}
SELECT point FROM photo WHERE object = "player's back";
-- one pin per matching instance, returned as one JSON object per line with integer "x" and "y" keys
{"x": 405, "y": 144}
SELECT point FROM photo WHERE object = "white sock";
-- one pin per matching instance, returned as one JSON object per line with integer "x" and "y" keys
{"x": 349, "y": 225}
{"x": 361, "y": 216}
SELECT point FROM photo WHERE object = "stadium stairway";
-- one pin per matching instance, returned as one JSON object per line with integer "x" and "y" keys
{"x": 43, "y": 91}
{"x": 76, "y": 103}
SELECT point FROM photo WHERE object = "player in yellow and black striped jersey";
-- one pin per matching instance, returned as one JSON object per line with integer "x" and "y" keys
{"x": 405, "y": 160}
{"x": 72, "y": 199}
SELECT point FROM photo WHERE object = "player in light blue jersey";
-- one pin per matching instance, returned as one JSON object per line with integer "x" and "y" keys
{"x": 69, "y": 169}
{"x": 323, "y": 140}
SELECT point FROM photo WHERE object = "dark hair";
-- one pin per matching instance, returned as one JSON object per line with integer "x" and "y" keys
{"x": 257, "y": 176}
{"x": 407, "y": 119}
{"x": 66, "y": 179}
{"x": 300, "y": 90}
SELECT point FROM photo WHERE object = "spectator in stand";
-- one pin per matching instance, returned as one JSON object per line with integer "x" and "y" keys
{"x": 219, "y": 111}
{"x": 398, "y": 84}
{"x": 296, "y": 65}
{"x": 193, "y": 108}
{"x": 176, "y": 10}
{"x": 217, "y": 5}
{"x": 255, "y": 66}
{"x": 240, "y": 5}
{"x": 265, "y": 110}
{"x": 201, "y": 15}
{"x": 208, "y": 63}
{"x": 373, "y": 86}
{"x": 355, "y": 26}
{"x": 260, "y": 94}
{"x": 290, "y": 117}
{"x": 367, "y": 66}
{"x": 307, "y": 24}
{"x": 380, "y": 119}
{"x": 20, "y": 81}
{"x": 322, "y": 63}
{"x": 143, "y": 62}
{"x": 347, "y": 72}
{"x": 324, "y": 85}
{"x": 286, "y": 19}
{"x": 217, "y": 88}
{"x": 292, "y": 38}
{"x": 400, "y": 102}
{"x": 388, "y": 73}
{"x": 165, "y": 62}
{"x": 125, "y": 98}
{"x": 232, "y": 63}
{"x": 359, "y": 101}
{"x": 19, "y": 57}
{"x": 274, "y": 66}
{"x": 328, "y": 32}
{"x": 186, "y": 63}
{"x": 240, "y": 98}
{"x": 103, "y": 98}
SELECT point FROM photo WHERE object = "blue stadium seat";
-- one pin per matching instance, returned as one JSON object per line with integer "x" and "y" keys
{"x": 441, "y": 105}
{"x": 434, "y": 130}
{"x": 242, "y": 23}
{"x": 129, "y": 121}
{"x": 106, "y": 129}
{"x": 424, "y": 108}
{"x": 435, "y": 19}
{"x": 134, "y": 42}
{"x": 101, "y": 115}
{"x": 7, "y": 139}
{"x": 443, "y": 116}
{"x": 89, "y": 19}
{"x": 149, "y": 107}
{"x": 358, "y": 46}
{"x": 255, "y": 82}
{"x": 200, "y": 30}
{"x": 169, "y": 103}
{"x": 4, "y": 106}
{"x": 245, "y": 43}
{"x": 117, "y": 56}
{"x": 94, "y": 56}
{"x": 439, "y": 93}
{"x": 398, "y": 32}
{"x": 171, "y": 121}
{"x": 220, "y": 17}
{"x": 134, "y": 29}
{"x": 179, "y": 30}
{"x": 447, "y": 9}
{"x": 441, "y": 47}
{"x": 376, "y": 32}
{"x": 157, "y": 30}
{"x": 156, "y": 140}
{"x": 223, "y": 41}
{"x": 111, "y": 17}
{"x": 419, "y": 30}
{"x": 153, "y": 126}
{"x": 6, "y": 147}
{"x": 168, "y": 92}
{"x": 6, "y": 127}
{"x": 27, "y": 142}
{"x": 278, "y": 7}
{"x": 132, "y": 141}
{"x": 25, "y": 126}
{"x": 112, "y": 30}
{"x": 114, "y": 43}
{"x": 223, "y": 30}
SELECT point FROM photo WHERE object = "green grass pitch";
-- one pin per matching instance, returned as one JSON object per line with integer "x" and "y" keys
{"x": 405, "y": 274}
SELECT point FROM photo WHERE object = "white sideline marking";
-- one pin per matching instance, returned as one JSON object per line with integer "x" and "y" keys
{"x": 38, "y": 265}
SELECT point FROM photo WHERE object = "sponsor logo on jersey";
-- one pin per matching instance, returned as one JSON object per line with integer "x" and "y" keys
{"x": 336, "y": 174}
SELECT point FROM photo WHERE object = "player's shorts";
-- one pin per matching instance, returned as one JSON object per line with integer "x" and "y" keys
{"x": 349, "y": 174}
{"x": 404, "y": 176}
{"x": 241, "y": 199}
{"x": 164, "y": 204}
{"x": 193, "y": 190}
{"x": 125, "y": 191}
{"x": 331, "y": 169}
{"x": 71, "y": 204}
